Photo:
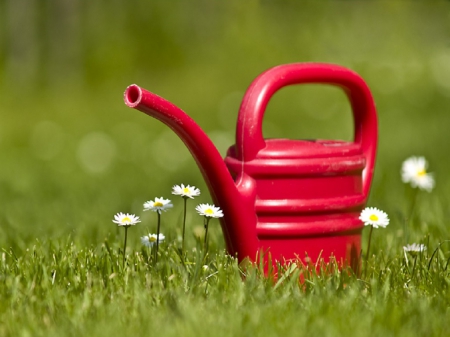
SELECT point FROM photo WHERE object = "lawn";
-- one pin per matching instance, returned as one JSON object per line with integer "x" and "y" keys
{"x": 73, "y": 155}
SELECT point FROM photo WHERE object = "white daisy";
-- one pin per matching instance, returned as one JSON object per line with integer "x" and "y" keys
{"x": 186, "y": 191}
{"x": 150, "y": 240}
{"x": 159, "y": 205}
{"x": 126, "y": 219}
{"x": 414, "y": 171}
{"x": 210, "y": 211}
{"x": 372, "y": 216}
{"x": 415, "y": 248}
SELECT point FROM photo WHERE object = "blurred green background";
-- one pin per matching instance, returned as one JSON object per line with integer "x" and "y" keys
{"x": 72, "y": 154}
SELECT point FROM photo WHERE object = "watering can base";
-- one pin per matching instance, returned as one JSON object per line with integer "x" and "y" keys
{"x": 344, "y": 249}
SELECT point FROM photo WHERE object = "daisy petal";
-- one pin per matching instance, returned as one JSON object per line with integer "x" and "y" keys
{"x": 372, "y": 216}
{"x": 186, "y": 191}
{"x": 158, "y": 205}
{"x": 414, "y": 172}
{"x": 122, "y": 219}
{"x": 210, "y": 211}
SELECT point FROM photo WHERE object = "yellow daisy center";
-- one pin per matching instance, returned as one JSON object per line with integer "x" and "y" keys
{"x": 186, "y": 190}
{"x": 421, "y": 173}
{"x": 152, "y": 239}
{"x": 126, "y": 219}
{"x": 373, "y": 217}
{"x": 209, "y": 211}
{"x": 158, "y": 204}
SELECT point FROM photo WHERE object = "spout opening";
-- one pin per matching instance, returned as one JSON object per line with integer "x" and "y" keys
{"x": 133, "y": 96}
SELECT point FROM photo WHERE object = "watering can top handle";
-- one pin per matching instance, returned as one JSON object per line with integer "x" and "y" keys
{"x": 249, "y": 138}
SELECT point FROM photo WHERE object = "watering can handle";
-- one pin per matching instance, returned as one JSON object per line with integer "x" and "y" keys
{"x": 249, "y": 138}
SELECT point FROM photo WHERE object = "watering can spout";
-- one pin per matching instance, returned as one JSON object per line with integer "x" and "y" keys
{"x": 222, "y": 187}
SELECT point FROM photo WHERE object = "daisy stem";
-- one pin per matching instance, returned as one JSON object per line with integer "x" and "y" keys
{"x": 413, "y": 205}
{"x": 157, "y": 237}
{"x": 184, "y": 226}
{"x": 414, "y": 266}
{"x": 368, "y": 249}
{"x": 410, "y": 213}
{"x": 206, "y": 233}
{"x": 125, "y": 246}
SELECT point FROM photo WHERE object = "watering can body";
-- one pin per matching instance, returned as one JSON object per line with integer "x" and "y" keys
{"x": 307, "y": 199}
{"x": 284, "y": 200}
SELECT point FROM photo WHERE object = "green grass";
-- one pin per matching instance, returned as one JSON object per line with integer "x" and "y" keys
{"x": 62, "y": 287}
{"x": 72, "y": 155}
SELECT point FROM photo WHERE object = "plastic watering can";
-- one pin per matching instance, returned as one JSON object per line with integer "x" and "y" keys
{"x": 292, "y": 200}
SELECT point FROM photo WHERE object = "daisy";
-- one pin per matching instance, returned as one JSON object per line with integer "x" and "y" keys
{"x": 415, "y": 248}
{"x": 186, "y": 191}
{"x": 159, "y": 205}
{"x": 150, "y": 240}
{"x": 372, "y": 216}
{"x": 125, "y": 220}
{"x": 122, "y": 219}
{"x": 209, "y": 211}
{"x": 414, "y": 171}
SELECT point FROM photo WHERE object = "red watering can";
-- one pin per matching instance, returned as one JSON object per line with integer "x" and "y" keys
{"x": 293, "y": 200}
